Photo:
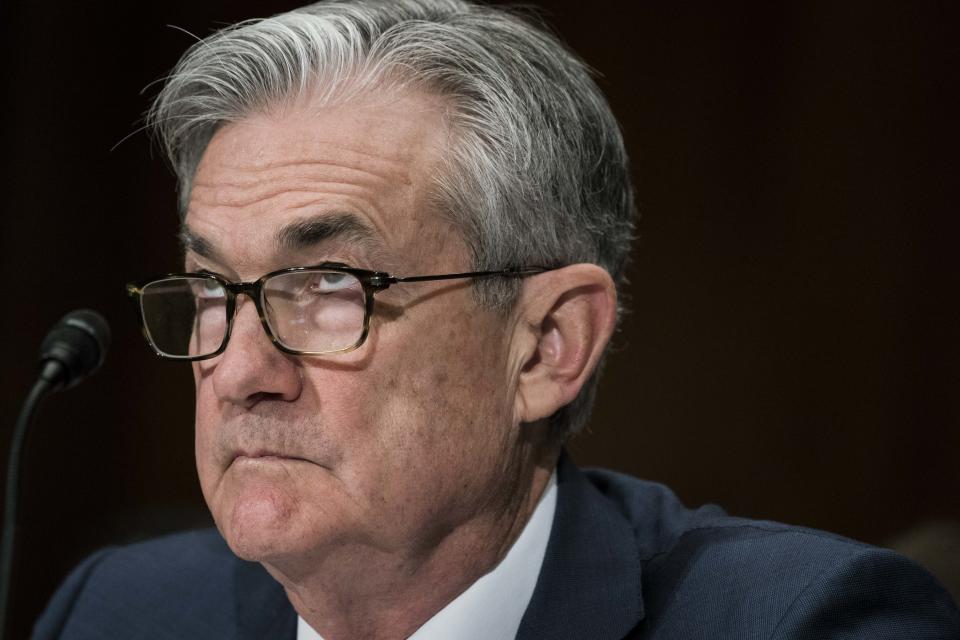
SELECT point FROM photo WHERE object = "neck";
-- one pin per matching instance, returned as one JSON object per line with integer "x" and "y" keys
{"x": 367, "y": 593}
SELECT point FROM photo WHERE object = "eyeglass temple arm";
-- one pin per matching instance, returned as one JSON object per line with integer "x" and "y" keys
{"x": 518, "y": 272}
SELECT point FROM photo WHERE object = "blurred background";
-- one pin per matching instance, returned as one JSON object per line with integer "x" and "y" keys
{"x": 792, "y": 351}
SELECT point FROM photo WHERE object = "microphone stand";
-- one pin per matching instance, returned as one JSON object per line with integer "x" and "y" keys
{"x": 12, "y": 490}
{"x": 72, "y": 350}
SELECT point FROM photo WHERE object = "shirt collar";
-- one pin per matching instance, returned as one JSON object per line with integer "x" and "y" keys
{"x": 493, "y": 606}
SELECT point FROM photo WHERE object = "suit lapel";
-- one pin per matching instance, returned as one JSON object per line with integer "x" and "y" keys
{"x": 589, "y": 585}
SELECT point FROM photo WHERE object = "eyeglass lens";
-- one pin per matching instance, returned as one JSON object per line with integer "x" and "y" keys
{"x": 312, "y": 311}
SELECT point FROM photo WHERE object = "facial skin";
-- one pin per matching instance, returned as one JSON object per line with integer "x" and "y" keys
{"x": 367, "y": 476}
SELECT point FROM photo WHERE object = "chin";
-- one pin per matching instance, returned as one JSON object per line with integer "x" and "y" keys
{"x": 259, "y": 525}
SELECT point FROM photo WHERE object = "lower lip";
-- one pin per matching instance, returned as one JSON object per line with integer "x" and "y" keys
{"x": 269, "y": 458}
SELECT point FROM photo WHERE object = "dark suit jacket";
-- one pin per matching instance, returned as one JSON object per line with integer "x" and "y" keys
{"x": 625, "y": 560}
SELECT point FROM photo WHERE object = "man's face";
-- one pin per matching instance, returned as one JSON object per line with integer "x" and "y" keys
{"x": 385, "y": 448}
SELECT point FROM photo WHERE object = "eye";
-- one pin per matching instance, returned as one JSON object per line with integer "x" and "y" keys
{"x": 331, "y": 281}
{"x": 209, "y": 288}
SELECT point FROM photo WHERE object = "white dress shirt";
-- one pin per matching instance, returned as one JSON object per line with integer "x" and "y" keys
{"x": 492, "y": 607}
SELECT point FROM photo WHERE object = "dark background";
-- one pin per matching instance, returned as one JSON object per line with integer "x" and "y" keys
{"x": 792, "y": 351}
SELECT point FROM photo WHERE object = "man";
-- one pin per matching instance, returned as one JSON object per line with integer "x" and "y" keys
{"x": 404, "y": 225}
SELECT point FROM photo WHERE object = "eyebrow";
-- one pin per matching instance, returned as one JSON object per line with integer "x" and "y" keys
{"x": 191, "y": 242}
{"x": 299, "y": 235}
{"x": 309, "y": 232}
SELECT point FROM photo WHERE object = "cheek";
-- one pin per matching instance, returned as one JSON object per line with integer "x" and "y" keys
{"x": 206, "y": 418}
{"x": 449, "y": 395}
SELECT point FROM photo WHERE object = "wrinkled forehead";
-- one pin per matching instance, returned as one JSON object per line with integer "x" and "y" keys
{"x": 266, "y": 183}
{"x": 394, "y": 126}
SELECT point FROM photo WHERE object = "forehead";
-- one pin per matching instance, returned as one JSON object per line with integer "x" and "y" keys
{"x": 372, "y": 159}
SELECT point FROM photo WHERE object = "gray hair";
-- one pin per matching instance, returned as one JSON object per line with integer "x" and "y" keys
{"x": 537, "y": 173}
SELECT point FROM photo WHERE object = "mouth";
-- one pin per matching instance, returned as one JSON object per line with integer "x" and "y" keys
{"x": 264, "y": 456}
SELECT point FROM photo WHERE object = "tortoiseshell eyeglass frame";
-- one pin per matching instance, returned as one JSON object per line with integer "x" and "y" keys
{"x": 371, "y": 282}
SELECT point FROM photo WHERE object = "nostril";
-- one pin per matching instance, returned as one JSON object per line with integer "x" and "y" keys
{"x": 263, "y": 396}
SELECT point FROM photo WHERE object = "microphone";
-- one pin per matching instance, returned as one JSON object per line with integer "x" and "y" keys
{"x": 73, "y": 350}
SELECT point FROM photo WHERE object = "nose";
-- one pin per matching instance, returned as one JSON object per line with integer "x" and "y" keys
{"x": 252, "y": 369}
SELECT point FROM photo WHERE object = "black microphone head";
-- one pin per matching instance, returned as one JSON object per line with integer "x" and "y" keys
{"x": 74, "y": 348}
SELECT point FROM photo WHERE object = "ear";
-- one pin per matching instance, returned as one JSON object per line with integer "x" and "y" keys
{"x": 566, "y": 319}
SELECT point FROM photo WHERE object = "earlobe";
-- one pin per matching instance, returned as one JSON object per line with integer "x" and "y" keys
{"x": 570, "y": 314}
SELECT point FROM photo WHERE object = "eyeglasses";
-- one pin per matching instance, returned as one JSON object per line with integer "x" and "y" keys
{"x": 306, "y": 311}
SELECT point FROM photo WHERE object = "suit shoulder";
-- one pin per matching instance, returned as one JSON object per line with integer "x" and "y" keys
{"x": 201, "y": 550}
{"x": 185, "y": 576}
{"x": 662, "y": 522}
{"x": 167, "y": 564}
{"x": 165, "y": 561}
{"x": 703, "y": 569}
